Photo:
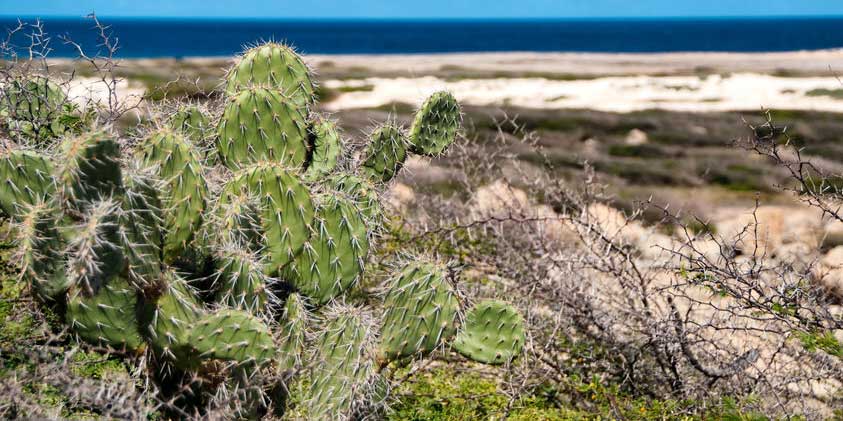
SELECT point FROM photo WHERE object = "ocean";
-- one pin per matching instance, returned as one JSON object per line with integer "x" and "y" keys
{"x": 141, "y": 37}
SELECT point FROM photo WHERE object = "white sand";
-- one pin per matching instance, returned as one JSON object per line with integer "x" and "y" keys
{"x": 740, "y": 91}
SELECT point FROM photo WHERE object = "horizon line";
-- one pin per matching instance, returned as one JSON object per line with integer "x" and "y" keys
{"x": 404, "y": 18}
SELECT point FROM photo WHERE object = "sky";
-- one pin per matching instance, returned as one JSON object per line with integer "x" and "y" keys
{"x": 421, "y": 8}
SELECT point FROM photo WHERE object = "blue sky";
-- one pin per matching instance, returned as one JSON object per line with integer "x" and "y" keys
{"x": 421, "y": 8}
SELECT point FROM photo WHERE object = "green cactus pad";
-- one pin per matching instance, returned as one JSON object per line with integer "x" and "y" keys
{"x": 332, "y": 259}
{"x": 286, "y": 210}
{"x": 326, "y": 147}
{"x": 436, "y": 124}
{"x": 237, "y": 221}
{"x": 232, "y": 335}
{"x": 40, "y": 248}
{"x": 96, "y": 255}
{"x": 342, "y": 368}
{"x": 259, "y": 125}
{"x": 275, "y": 66}
{"x": 88, "y": 169}
{"x": 35, "y": 108}
{"x": 420, "y": 312}
{"x": 192, "y": 123}
{"x": 141, "y": 221}
{"x": 184, "y": 199}
{"x": 27, "y": 179}
{"x": 240, "y": 280}
{"x": 108, "y": 317}
{"x": 385, "y": 154}
{"x": 362, "y": 192}
{"x": 169, "y": 319}
{"x": 493, "y": 333}
{"x": 293, "y": 330}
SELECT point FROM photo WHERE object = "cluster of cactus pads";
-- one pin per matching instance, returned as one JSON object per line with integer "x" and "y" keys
{"x": 236, "y": 237}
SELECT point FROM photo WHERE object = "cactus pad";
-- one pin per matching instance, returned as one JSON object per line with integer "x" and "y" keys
{"x": 493, "y": 333}
{"x": 108, "y": 317}
{"x": 286, "y": 209}
{"x": 275, "y": 66}
{"x": 141, "y": 221}
{"x": 332, "y": 259}
{"x": 293, "y": 331}
{"x": 184, "y": 199}
{"x": 40, "y": 247}
{"x": 261, "y": 125}
{"x": 96, "y": 255}
{"x": 192, "y": 122}
{"x": 240, "y": 280}
{"x": 169, "y": 318}
{"x": 420, "y": 312}
{"x": 326, "y": 147}
{"x": 385, "y": 154}
{"x": 362, "y": 192}
{"x": 436, "y": 124}
{"x": 89, "y": 169}
{"x": 232, "y": 335}
{"x": 343, "y": 369}
{"x": 26, "y": 177}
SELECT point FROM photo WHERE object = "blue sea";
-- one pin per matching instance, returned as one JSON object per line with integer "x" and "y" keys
{"x": 141, "y": 37}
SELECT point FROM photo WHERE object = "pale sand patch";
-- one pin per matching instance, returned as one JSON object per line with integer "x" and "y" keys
{"x": 741, "y": 91}
{"x": 819, "y": 62}
{"x": 89, "y": 90}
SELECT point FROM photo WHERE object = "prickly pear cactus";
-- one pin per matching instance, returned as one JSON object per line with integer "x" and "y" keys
{"x": 363, "y": 193}
{"x": 169, "y": 319}
{"x": 436, "y": 124}
{"x": 261, "y": 125}
{"x": 385, "y": 155}
{"x": 325, "y": 146}
{"x": 95, "y": 256}
{"x": 493, "y": 333}
{"x": 107, "y": 317}
{"x": 241, "y": 282}
{"x": 27, "y": 179}
{"x": 420, "y": 312}
{"x": 333, "y": 257}
{"x": 39, "y": 254}
{"x": 184, "y": 199}
{"x": 293, "y": 332}
{"x": 88, "y": 170}
{"x": 243, "y": 265}
{"x": 343, "y": 370}
{"x": 192, "y": 122}
{"x": 232, "y": 335}
{"x": 275, "y": 66}
{"x": 141, "y": 223}
{"x": 286, "y": 210}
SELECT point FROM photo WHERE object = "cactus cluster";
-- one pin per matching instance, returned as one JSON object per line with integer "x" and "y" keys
{"x": 147, "y": 252}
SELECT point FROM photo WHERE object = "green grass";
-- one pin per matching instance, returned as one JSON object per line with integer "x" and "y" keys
{"x": 442, "y": 395}
{"x": 833, "y": 93}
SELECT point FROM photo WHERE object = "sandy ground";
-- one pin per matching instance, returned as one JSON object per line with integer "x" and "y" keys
{"x": 823, "y": 62}
{"x": 743, "y": 91}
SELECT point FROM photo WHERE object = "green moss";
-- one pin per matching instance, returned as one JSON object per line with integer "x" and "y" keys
{"x": 441, "y": 395}
{"x": 97, "y": 366}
